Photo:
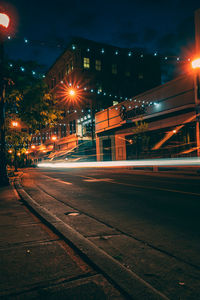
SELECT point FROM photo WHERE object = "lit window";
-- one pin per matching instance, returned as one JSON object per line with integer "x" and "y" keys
{"x": 99, "y": 87}
{"x": 114, "y": 69}
{"x": 67, "y": 69}
{"x": 71, "y": 65}
{"x": 127, "y": 73}
{"x": 86, "y": 63}
{"x": 98, "y": 65}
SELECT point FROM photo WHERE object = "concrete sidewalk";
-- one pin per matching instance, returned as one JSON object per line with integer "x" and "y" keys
{"x": 37, "y": 264}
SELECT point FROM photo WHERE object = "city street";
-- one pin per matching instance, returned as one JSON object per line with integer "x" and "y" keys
{"x": 149, "y": 222}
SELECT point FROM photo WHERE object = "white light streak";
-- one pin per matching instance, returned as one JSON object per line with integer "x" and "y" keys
{"x": 195, "y": 161}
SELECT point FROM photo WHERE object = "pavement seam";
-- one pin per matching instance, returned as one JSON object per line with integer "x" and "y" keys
{"x": 123, "y": 278}
{"x": 45, "y": 284}
{"x": 25, "y": 244}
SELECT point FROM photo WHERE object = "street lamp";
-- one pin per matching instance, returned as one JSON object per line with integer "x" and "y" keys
{"x": 72, "y": 92}
{"x": 54, "y": 138}
{"x": 15, "y": 124}
{"x": 4, "y": 20}
{"x": 4, "y": 23}
{"x": 196, "y": 67}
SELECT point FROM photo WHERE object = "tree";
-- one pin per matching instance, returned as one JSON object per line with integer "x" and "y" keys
{"x": 27, "y": 100}
{"x": 28, "y": 97}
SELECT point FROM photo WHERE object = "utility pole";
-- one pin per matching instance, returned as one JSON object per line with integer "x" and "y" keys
{"x": 3, "y": 171}
{"x": 197, "y": 80}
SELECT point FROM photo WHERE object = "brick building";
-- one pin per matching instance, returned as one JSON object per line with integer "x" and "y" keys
{"x": 88, "y": 77}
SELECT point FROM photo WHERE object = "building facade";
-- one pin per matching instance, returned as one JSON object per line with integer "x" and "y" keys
{"x": 88, "y": 77}
{"x": 162, "y": 122}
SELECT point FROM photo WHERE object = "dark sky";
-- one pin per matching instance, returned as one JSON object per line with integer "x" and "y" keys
{"x": 163, "y": 26}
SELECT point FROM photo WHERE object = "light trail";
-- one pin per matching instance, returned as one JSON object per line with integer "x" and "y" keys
{"x": 195, "y": 161}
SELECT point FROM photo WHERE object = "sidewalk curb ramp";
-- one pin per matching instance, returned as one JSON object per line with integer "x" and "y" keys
{"x": 127, "y": 281}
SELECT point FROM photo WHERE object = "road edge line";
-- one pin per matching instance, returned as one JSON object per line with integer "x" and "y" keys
{"x": 125, "y": 279}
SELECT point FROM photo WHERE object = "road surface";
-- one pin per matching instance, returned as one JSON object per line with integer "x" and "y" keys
{"x": 149, "y": 222}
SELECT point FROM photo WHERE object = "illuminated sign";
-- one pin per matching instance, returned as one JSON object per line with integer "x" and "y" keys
{"x": 130, "y": 114}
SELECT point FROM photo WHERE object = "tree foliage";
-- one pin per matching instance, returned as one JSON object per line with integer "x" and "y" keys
{"x": 27, "y": 100}
{"x": 27, "y": 97}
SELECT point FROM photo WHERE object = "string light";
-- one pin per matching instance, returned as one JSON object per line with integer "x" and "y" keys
{"x": 43, "y": 43}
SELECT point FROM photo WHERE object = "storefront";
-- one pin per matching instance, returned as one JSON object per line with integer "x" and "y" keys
{"x": 158, "y": 123}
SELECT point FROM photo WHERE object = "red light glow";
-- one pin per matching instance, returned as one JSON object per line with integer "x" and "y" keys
{"x": 73, "y": 92}
{"x": 15, "y": 124}
{"x": 4, "y": 20}
{"x": 196, "y": 63}
{"x": 54, "y": 138}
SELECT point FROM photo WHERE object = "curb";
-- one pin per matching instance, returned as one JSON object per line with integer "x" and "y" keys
{"x": 127, "y": 281}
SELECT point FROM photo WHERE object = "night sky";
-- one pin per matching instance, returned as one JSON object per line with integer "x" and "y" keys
{"x": 163, "y": 26}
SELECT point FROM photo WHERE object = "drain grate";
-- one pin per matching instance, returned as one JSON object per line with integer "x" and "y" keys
{"x": 72, "y": 213}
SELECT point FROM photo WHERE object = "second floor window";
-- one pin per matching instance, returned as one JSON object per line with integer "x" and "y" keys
{"x": 98, "y": 65}
{"x": 140, "y": 76}
{"x": 71, "y": 65}
{"x": 114, "y": 69}
{"x": 67, "y": 69}
{"x": 86, "y": 63}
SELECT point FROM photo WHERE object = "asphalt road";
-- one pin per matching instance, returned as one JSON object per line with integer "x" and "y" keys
{"x": 153, "y": 220}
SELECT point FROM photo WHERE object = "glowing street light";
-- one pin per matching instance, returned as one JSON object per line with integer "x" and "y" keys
{"x": 4, "y": 20}
{"x": 54, "y": 138}
{"x": 15, "y": 124}
{"x": 33, "y": 147}
{"x": 196, "y": 66}
{"x": 196, "y": 63}
{"x": 72, "y": 92}
{"x": 4, "y": 23}
{"x": 10, "y": 151}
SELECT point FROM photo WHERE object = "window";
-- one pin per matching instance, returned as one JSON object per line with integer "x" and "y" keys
{"x": 98, "y": 65}
{"x": 72, "y": 126}
{"x": 114, "y": 69}
{"x": 99, "y": 87}
{"x": 71, "y": 65}
{"x": 86, "y": 63}
{"x": 67, "y": 69}
{"x": 140, "y": 76}
{"x": 127, "y": 73}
